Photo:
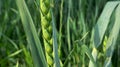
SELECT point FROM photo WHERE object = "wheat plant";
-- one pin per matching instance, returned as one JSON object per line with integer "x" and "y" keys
{"x": 59, "y": 33}
{"x": 46, "y": 18}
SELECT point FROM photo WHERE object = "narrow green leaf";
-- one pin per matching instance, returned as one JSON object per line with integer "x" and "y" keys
{"x": 102, "y": 23}
{"x": 32, "y": 37}
{"x": 112, "y": 38}
{"x": 15, "y": 53}
{"x": 101, "y": 26}
{"x": 55, "y": 45}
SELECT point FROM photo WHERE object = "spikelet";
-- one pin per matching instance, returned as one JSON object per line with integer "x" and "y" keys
{"x": 46, "y": 24}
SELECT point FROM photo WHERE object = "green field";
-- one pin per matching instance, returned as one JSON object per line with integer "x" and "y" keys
{"x": 59, "y": 33}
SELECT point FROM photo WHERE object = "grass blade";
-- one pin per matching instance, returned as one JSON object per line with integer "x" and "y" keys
{"x": 101, "y": 26}
{"x": 102, "y": 23}
{"x": 55, "y": 45}
{"x": 32, "y": 37}
{"x": 15, "y": 53}
{"x": 112, "y": 38}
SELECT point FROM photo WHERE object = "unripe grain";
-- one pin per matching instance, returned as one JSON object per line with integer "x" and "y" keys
{"x": 46, "y": 18}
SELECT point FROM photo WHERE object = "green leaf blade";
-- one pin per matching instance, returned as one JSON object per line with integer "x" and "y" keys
{"x": 32, "y": 37}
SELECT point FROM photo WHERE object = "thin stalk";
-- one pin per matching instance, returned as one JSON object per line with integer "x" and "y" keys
{"x": 68, "y": 30}
{"x": 68, "y": 27}
{"x": 61, "y": 18}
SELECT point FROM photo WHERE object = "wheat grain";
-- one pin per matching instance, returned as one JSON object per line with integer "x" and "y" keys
{"x": 46, "y": 18}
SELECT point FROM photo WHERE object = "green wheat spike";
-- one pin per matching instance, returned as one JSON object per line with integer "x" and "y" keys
{"x": 46, "y": 24}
